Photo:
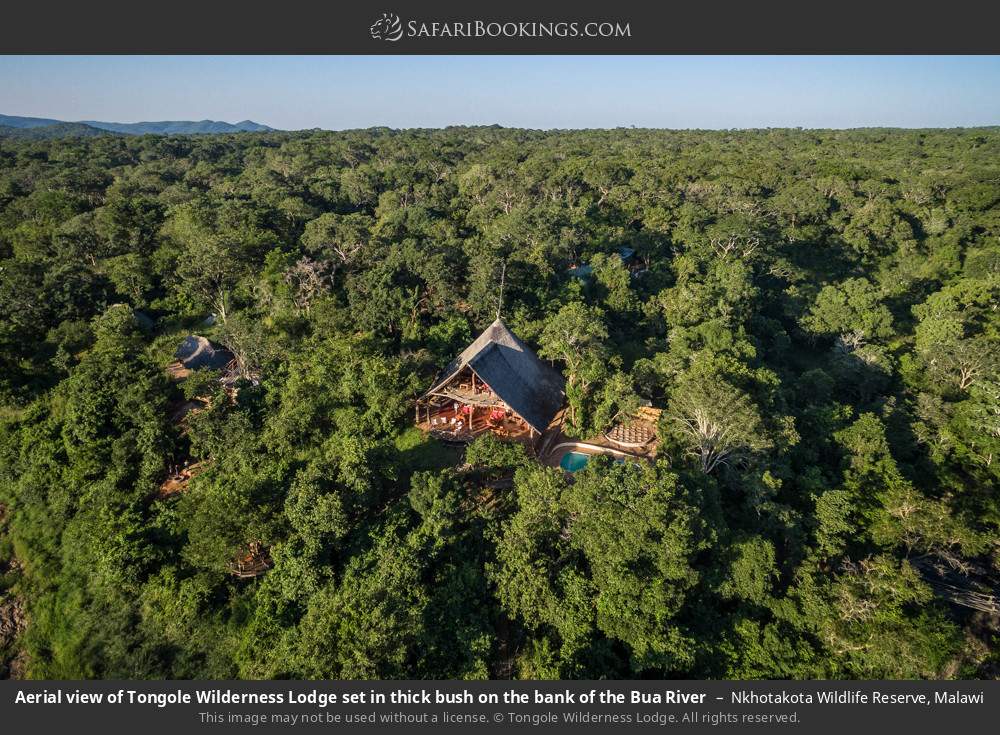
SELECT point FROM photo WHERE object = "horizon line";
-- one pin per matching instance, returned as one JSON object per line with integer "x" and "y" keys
{"x": 377, "y": 126}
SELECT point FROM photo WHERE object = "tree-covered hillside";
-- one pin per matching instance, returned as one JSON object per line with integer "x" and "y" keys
{"x": 816, "y": 312}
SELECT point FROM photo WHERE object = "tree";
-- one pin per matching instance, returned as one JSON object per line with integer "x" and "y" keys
{"x": 954, "y": 336}
{"x": 309, "y": 279}
{"x": 638, "y": 532}
{"x": 714, "y": 420}
{"x": 863, "y": 619}
{"x": 209, "y": 274}
{"x": 367, "y": 626}
{"x": 249, "y": 344}
{"x": 218, "y": 242}
{"x": 575, "y": 335}
{"x": 130, "y": 273}
{"x": 338, "y": 239}
{"x": 633, "y": 531}
{"x": 852, "y": 310}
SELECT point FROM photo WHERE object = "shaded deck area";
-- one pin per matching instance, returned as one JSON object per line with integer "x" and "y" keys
{"x": 462, "y": 410}
{"x": 451, "y": 425}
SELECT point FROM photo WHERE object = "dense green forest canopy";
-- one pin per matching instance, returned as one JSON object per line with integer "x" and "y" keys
{"x": 816, "y": 312}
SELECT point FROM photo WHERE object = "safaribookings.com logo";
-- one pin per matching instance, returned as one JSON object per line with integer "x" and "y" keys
{"x": 390, "y": 28}
{"x": 387, "y": 28}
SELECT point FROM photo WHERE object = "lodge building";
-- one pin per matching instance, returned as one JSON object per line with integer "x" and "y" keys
{"x": 498, "y": 385}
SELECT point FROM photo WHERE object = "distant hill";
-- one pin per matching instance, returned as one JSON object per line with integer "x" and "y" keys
{"x": 55, "y": 130}
{"x": 166, "y": 127}
{"x": 13, "y": 121}
{"x": 179, "y": 127}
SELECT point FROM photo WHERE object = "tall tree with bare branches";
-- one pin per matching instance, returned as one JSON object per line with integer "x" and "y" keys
{"x": 716, "y": 422}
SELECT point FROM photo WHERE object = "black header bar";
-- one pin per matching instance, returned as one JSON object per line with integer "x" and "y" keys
{"x": 510, "y": 27}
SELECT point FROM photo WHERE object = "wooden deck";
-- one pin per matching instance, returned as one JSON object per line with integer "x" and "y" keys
{"x": 252, "y": 563}
{"x": 178, "y": 481}
{"x": 176, "y": 371}
{"x": 466, "y": 394}
{"x": 635, "y": 438}
{"x": 633, "y": 434}
{"x": 451, "y": 426}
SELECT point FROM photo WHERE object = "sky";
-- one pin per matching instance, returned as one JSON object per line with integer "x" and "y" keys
{"x": 340, "y": 92}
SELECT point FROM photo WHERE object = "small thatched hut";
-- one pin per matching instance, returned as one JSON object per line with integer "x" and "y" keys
{"x": 198, "y": 353}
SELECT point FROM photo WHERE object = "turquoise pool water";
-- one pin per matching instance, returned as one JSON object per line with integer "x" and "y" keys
{"x": 573, "y": 461}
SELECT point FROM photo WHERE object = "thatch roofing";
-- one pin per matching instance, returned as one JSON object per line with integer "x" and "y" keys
{"x": 531, "y": 388}
{"x": 197, "y": 353}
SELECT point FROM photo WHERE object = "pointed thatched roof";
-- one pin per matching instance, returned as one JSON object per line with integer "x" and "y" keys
{"x": 531, "y": 388}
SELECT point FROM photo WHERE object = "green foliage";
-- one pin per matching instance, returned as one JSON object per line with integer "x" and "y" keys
{"x": 752, "y": 573}
{"x": 622, "y": 537}
{"x": 852, "y": 307}
{"x": 814, "y": 311}
{"x": 489, "y": 453}
{"x": 716, "y": 422}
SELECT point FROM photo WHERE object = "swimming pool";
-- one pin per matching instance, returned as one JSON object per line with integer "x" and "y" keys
{"x": 576, "y": 461}
{"x": 573, "y": 461}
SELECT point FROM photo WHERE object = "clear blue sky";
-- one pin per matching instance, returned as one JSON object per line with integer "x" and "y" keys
{"x": 526, "y": 91}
